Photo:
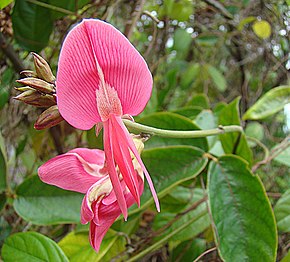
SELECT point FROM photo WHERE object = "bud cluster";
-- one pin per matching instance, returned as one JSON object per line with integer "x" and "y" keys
{"x": 39, "y": 90}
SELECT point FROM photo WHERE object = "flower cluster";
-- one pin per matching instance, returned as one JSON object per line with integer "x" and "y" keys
{"x": 101, "y": 79}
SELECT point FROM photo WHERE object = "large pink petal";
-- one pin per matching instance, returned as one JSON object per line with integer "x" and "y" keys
{"x": 95, "y": 42}
{"x": 107, "y": 216}
{"x": 70, "y": 171}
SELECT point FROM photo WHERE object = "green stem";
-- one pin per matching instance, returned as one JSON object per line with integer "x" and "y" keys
{"x": 180, "y": 134}
{"x": 165, "y": 238}
{"x": 52, "y": 7}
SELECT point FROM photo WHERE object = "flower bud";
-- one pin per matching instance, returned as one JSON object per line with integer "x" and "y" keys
{"x": 23, "y": 88}
{"x": 43, "y": 69}
{"x": 32, "y": 97}
{"x": 28, "y": 73}
{"x": 38, "y": 84}
{"x": 50, "y": 117}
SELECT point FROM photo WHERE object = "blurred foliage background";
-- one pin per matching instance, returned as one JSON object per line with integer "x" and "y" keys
{"x": 202, "y": 54}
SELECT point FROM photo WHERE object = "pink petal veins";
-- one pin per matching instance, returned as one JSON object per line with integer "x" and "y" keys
{"x": 76, "y": 170}
{"x": 93, "y": 43}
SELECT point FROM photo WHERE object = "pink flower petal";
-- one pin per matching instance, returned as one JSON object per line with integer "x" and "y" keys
{"x": 92, "y": 44}
{"x": 70, "y": 171}
{"x": 124, "y": 161}
{"x": 122, "y": 131}
{"x": 107, "y": 216}
{"x": 108, "y": 147}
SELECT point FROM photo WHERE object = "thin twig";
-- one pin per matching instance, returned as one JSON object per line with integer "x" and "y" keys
{"x": 205, "y": 253}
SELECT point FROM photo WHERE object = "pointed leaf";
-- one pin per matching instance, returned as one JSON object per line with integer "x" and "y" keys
{"x": 270, "y": 103}
{"x": 32, "y": 247}
{"x": 3, "y": 165}
{"x": 44, "y": 204}
{"x": 234, "y": 143}
{"x": 217, "y": 78}
{"x": 245, "y": 227}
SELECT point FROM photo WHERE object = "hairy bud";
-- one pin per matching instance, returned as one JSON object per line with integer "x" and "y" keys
{"x": 38, "y": 84}
{"x": 50, "y": 117}
{"x": 33, "y": 97}
{"x": 43, "y": 69}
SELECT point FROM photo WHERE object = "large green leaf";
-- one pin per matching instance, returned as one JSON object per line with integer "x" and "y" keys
{"x": 270, "y": 103}
{"x": 282, "y": 212}
{"x": 77, "y": 247}
{"x": 44, "y": 204}
{"x": 31, "y": 247}
{"x": 198, "y": 226}
{"x": 169, "y": 167}
{"x": 234, "y": 143}
{"x": 171, "y": 121}
{"x": 3, "y": 165}
{"x": 245, "y": 227}
{"x": 32, "y": 25}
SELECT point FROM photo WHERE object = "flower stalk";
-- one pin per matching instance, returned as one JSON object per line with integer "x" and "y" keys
{"x": 133, "y": 126}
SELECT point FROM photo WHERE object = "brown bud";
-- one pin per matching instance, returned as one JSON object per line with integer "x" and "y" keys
{"x": 50, "y": 117}
{"x": 43, "y": 69}
{"x": 38, "y": 84}
{"x": 33, "y": 97}
{"x": 28, "y": 73}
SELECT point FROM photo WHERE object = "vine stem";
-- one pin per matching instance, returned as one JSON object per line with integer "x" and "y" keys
{"x": 164, "y": 239}
{"x": 133, "y": 126}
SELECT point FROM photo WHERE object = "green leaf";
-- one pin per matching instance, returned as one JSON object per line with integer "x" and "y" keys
{"x": 32, "y": 25}
{"x": 282, "y": 212}
{"x": 182, "y": 41}
{"x": 284, "y": 157}
{"x": 270, "y": 103}
{"x": 172, "y": 121}
{"x": 31, "y": 247}
{"x": 44, "y": 204}
{"x": 169, "y": 167}
{"x": 255, "y": 130}
{"x": 188, "y": 250}
{"x": 217, "y": 78}
{"x": 262, "y": 29}
{"x": 245, "y": 21}
{"x": 245, "y": 227}
{"x": 234, "y": 143}
{"x": 77, "y": 247}
{"x": 206, "y": 120}
{"x": 206, "y": 39}
{"x": 2, "y": 200}
{"x": 190, "y": 111}
{"x": 3, "y": 165}
{"x": 193, "y": 229}
{"x": 4, "y": 3}
{"x": 200, "y": 100}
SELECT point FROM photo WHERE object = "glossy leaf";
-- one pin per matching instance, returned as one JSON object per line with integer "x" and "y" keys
{"x": 270, "y": 103}
{"x": 282, "y": 212}
{"x": 234, "y": 143}
{"x": 172, "y": 121}
{"x": 32, "y": 247}
{"x": 44, "y": 204}
{"x": 245, "y": 227}
{"x": 3, "y": 165}
{"x": 32, "y": 25}
{"x": 77, "y": 247}
{"x": 171, "y": 166}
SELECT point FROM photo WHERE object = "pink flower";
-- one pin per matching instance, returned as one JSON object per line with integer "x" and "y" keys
{"x": 84, "y": 170}
{"x": 102, "y": 78}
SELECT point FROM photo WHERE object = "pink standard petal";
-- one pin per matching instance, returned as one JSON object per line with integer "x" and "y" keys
{"x": 95, "y": 42}
{"x": 107, "y": 216}
{"x": 67, "y": 171}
